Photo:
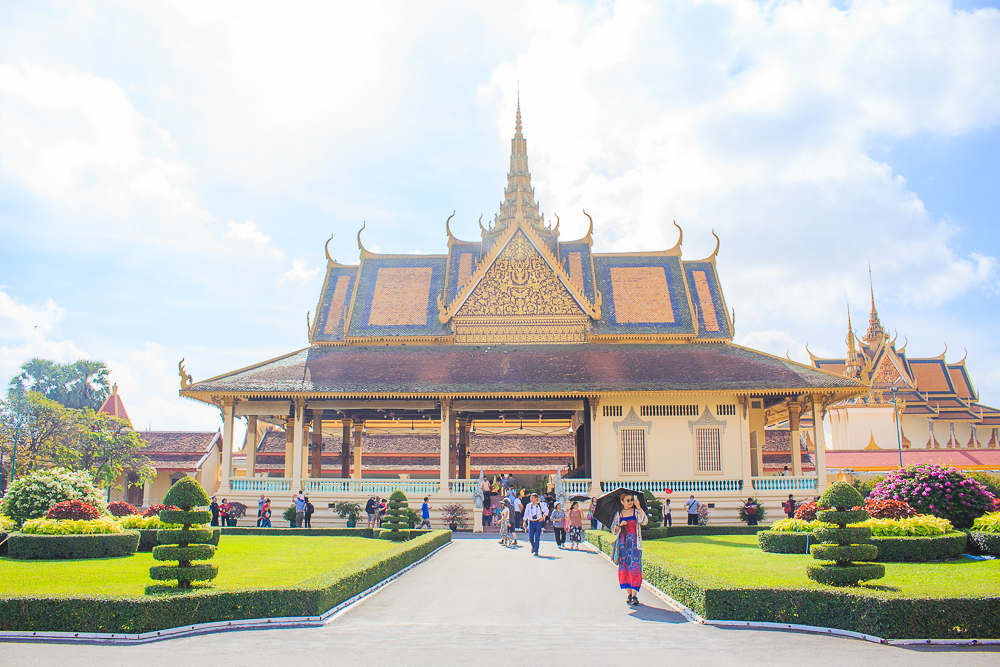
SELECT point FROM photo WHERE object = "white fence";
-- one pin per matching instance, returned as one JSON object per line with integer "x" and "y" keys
{"x": 678, "y": 485}
{"x": 784, "y": 483}
{"x": 261, "y": 484}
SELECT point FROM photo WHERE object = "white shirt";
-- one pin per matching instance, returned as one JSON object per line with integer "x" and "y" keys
{"x": 534, "y": 512}
{"x": 517, "y": 505}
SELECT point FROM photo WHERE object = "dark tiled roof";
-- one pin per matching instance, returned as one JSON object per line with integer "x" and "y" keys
{"x": 713, "y": 318}
{"x": 397, "y": 311}
{"x": 566, "y": 252}
{"x": 462, "y": 260}
{"x": 187, "y": 461}
{"x": 617, "y": 317}
{"x": 176, "y": 441}
{"x": 506, "y": 369}
{"x": 334, "y": 302}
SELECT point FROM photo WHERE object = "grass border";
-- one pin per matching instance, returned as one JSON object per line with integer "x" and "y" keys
{"x": 135, "y": 617}
{"x": 899, "y": 618}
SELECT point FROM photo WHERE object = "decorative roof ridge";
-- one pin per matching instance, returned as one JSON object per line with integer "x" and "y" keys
{"x": 241, "y": 370}
{"x": 588, "y": 237}
{"x": 797, "y": 363}
{"x": 710, "y": 258}
{"x": 331, "y": 262}
{"x": 451, "y": 237}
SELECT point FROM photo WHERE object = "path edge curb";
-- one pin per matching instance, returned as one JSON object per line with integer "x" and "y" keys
{"x": 114, "y": 638}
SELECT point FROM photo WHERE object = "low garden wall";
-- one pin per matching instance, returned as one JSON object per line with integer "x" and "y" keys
{"x": 887, "y": 617}
{"x": 138, "y": 615}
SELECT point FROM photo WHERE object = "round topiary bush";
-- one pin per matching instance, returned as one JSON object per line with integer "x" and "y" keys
{"x": 72, "y": 510}
{"x": 120, "y": 508}
{"x": 31, "y": 496}
{"x": 843, "y": 545}
{"x": 939, "y": 490}
{"x": 187, "y": 544}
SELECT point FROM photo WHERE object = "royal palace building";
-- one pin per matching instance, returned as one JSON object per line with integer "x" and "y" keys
{"x": 626, "y": 359}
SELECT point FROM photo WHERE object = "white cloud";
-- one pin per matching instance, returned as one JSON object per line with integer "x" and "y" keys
{"x": 28, "y": 331}
{"x": 249, "y": 233}
{"x": 301, "y": 273}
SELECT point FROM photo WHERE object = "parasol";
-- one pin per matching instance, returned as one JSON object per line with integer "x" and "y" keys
{"x": 609, "y": 504}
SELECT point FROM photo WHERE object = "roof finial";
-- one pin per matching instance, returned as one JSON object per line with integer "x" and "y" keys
{"x": 875, "y": 331}
{"x": 517, "y": 123}
{"x": 871, "y": 285}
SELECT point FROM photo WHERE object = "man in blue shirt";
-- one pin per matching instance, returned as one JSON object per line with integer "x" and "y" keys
{"x": 534, "y": 515}
{"x": 425, "y": 515}
{"x": 300, "y": 508}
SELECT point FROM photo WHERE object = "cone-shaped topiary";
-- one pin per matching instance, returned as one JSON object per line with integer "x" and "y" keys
{"x": 843, "y": 544}
{"x": 655, "y": 513}
{"x": 396, "y": 518}
{"x": 185, "y": 545}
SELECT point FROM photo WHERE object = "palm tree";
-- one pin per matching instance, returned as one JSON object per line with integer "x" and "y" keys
{"x": 86, "y": 384}
{"x": 39, "y": 375}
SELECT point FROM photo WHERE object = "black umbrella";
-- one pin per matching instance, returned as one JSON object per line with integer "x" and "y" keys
{"x": 580, "y": 497}
{"x": 610, "y": 503}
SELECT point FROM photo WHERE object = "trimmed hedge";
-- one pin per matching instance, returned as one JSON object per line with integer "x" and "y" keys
{"x": 986, "y": 543}
{"x": 180, "y": 517}
{"x": 148, "y": 614}
{"x": 193, "y": 552}
{"x": 785, "y": 542}
{"x": 915, "y": 549}
{"x": 300, "y": 532}
{"x": 3, "y": 542}
{"x": 893, "y": 618}
{"x": 401, "y": 535}
{"x": 60, "y": 547}
{"x": 147, "y": 538}
{"x": 845, "y": 575}
{"x": 844, "y": 553}
{"x": 199, "y": 572}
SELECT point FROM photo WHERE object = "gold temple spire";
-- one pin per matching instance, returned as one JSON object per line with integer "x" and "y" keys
{"x": 875, "y": 331}
{"x": 518, "y": 190}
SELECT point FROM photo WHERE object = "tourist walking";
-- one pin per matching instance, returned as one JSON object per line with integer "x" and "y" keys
{"x": 507, "y": 536}
{"x": 750, "y": 508}
{"x": 534, "y": 515}
{"x": 668, "y": 519}
{"x": 300, "y": 508}
{"x": 575, "y": 519}
{"x": 789, "y": 506}
{"x": 558, "y": 518}
{"x": 216, "y": 510}
{"x": 370, "y": 508}
{"x": 265, "y": 514}
{"x": 307, "y": 514}
{"x": 518, "y": 513}
{"x": 260, "y": 510}
{"x": 425, "y": 515}
{"x": 692, "y": 506}
{"x": 626, "y": 526}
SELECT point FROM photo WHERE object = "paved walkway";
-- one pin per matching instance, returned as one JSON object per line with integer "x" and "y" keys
{"x": 477, "y": 603}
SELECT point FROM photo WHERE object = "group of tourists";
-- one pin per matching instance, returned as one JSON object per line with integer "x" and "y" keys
{"x": 303, "y": 510}
{"x": 534, "y": 516}
{"x": 263, "y": 512}
{"x": 221, "y": 512}
{"x": 376, "y": 509}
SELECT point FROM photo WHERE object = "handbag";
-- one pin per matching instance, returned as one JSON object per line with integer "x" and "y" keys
{"x": 616, "y": 554}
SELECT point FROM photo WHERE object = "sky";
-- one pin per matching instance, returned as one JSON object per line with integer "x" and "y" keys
{"x": 170, "y": 172}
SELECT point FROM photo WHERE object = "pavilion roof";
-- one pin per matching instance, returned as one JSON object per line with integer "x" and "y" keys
{"x": 888, "y": 459}
{"x": 526, "y": 370}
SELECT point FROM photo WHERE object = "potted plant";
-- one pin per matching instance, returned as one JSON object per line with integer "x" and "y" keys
{"x": 455, "y": 515}
{"x": 289, "y": 515}
{"x": 412, "y": 518}
{"x": 347, "y": 510}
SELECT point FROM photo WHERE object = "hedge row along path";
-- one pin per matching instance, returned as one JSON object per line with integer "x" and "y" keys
{"x": 478, "y": 603}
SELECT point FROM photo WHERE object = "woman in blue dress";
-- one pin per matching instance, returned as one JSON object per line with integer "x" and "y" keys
{"x": 627, "y": 529}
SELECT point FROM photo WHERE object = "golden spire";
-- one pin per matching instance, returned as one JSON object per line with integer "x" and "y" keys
{"x": 853, "y": 368}
{"x": 875, "y": 331}
{"x": 519, "y": 190}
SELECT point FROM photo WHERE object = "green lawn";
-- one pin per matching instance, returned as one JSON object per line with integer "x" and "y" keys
{"x": 244, "y": 562}
{"x": 735, "y": 560}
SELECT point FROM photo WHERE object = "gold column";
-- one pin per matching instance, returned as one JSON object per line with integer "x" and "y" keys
{"x": 358, "y": 425}
{"x": 794, "y": 411}
{"x": 819, "y": 437}
{"x": 251, "y": 445}
{"x": 316, "y": 462}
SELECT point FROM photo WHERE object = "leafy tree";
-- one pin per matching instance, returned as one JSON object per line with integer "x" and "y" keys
{"x": 81, "y": 384}
{"x": 108, "y": 448}
{"x": 46, "y": 433}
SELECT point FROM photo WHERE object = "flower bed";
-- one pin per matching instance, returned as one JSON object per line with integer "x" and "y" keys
{"x": 103, "y": 526}
{"x": 42, "y": 546}
{"x": 939, "y": 490}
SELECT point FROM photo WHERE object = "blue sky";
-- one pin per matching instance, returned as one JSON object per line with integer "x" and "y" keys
{"x": 169, "y": 172}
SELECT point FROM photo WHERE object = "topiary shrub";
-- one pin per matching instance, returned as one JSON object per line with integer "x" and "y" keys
{"x": 396, "y": 518}
{"x": 72, "y": 510}
{"x": 807, "y": 511}
{"x": 58, "y": 547}
{"x": 31, "y": 496}
{"x": 781, "y": 542}
{"x": 887, "y": 509}
{"x": 154, "y": 510}
{"x": 843, "y": 545}
{"x": 655, "y": 511}
{"x": 184, "y": 545}
{"x": 120, "y": 508}
{"x": 939, "y": 490}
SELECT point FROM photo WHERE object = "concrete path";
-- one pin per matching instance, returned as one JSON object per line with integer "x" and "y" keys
{"x": 477, "y": 603}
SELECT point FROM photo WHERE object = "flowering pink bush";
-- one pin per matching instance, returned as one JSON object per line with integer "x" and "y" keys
{"x": 939, "y": 490}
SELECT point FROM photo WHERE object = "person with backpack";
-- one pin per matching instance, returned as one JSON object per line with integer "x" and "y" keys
{"x": 751, "y": 511}
{"x": 789, "y": 506}
{"x": 307, "y": 514}
{"x": 692, "y": 506}
{"x": 265, "y": 514}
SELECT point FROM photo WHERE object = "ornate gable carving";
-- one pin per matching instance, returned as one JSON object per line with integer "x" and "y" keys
{"x": 632, "y": 421}
{"x": 707, "y": 419}
{"x": 519, "y": 283}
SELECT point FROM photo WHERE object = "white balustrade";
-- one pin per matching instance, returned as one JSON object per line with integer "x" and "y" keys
{"x": 576, "y": 486}
{"x": 681, "y": 486}
{"x": 261, "y": 484}
{"x": 371, "y": 486}
{"x": 779, "y": 483}
{"x": 463, "y": 486}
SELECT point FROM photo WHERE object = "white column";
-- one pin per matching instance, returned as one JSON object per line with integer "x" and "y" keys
{"x": 595, "y": 448}
{"x": 794, "y": 410}
{"x": 445, "y": 441}
{"x": 300, "y": 406}
{"x": 228, "y": 416}
{"x": 147, "y": 492}
{"x": 820, "y": 439}
{"x": 251, "y": 445}
{"x": 745, "y": 447}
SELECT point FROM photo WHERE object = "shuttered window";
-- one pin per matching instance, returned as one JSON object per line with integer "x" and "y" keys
{"x": 633, "y": 450}
{"x": 669, "y": 410}
{"x": 612, "y": 411}
{"x": 709, "y": 442}
{"x": 725, "y": 410}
